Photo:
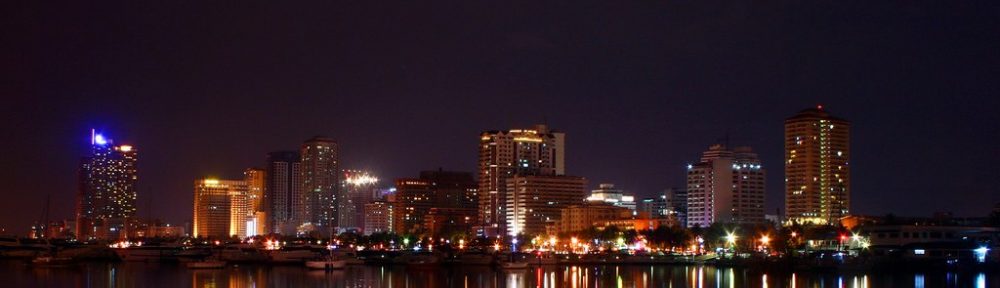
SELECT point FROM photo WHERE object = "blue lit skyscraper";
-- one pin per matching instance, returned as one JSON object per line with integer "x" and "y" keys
{"x": 107, "y": 189}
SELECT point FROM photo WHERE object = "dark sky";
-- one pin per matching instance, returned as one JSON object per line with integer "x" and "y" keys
{"x": 640, "y": 88}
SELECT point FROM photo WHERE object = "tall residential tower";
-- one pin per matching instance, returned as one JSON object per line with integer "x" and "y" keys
{"x": 817, "y": 167}
{"x": 283, "y": 192}
{"x": 504, "y": 154}
{"x": 320, "y": 183}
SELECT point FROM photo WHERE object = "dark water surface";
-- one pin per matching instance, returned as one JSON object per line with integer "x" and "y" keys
{"x": 132, "y": 274}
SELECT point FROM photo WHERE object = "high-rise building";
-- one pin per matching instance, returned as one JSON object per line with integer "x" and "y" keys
{"x": 504, "y": 154}
{"x": 357, "y": 189}
{"x": 534, "y": 201}
{"x": 283, "y": 192}
{"x": 220, "y": 208}
{"x": 726, "y": 186}
{"x": 414, "y": 197}
{"x": 378, "y": 217}
{"x": 817, "y": 167}
{"x": 257, "y": 215}
{"x": 107, "y": 189}
{"x": 320, "y": 183}
{"x": 607, "y": 193}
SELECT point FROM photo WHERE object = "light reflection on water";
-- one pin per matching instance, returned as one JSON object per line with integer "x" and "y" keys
{"x": 18, "y": 274}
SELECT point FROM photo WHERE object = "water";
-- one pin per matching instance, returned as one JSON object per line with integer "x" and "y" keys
{"x": 128, "y": 274}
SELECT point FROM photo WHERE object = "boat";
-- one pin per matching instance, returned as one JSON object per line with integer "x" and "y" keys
{"x": 148, "y": 253}
{"x": 51, "y": 261}
{"x": 326, "y": 264}
{"x": 513, "y": 265}
{"x": 206, "y": 264}
{"x": 292, "y": 255}
{"x": 193, "y": 254}
{"x": 242, "y": 253}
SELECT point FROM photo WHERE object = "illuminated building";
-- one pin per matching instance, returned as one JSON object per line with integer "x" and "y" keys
{"x": 357, "y": 189}
{"x": 533, "y": 201}
{"x": 726, "y": 186}
{"x": 320, "y": 174}
{"x": 220, "y": 208}
{"x": 106, "y": 189}
{"x": 283, "y": 192}
{"x": 415, "y": 197}
{"x": 607, "y": 193}
{"x": 378, "y": 217}
{"x": 504, "y": 154}
{"x": 256, "y": 215}
{"x": 817, "y": 170}
{"x": 576, "y": 218}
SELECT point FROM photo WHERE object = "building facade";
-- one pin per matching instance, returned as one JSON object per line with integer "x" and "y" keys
{"x": 414, "y": 198}
{"x": 607, "y": 193}
{"x": 534, "y": 201}
{"x": 817, "y": 167}
{"x": 283, "y": 199}
{"x": 378, "y": 217}
{"x": 357, "y": 189}
{"x": 725, "y": 186}
{"x": 504, "y": 154}
{"x": 576, "y": 218}
{"x": 320, "y": 183}
{"x": 220, "y": 208}
{"x": 106, "y": 189}
{"x": 257, "y": 215}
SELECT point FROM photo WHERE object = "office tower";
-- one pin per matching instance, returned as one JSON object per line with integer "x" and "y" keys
{"x": 607, "y": 193}
{"x": 320, "y": 174}
{"x": 414, "y": 197}
{"x": 378, "y": 217}
{"x": 534, "y": 201}
{"x": 106, "y": 189}
{"x": 357, "y": 189}
{"x": 817, "y": 167}
{"x": 726, "y": 186}
{"x": 504, "y": 154}
{"x": 283, "y": 192}
{"x": 257, "y": 215}
{"x": 220, "y": 208}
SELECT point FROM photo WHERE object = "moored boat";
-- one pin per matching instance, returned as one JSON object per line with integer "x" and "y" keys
{"x": 326, "y": 264}
{"x": 206, "y": 264}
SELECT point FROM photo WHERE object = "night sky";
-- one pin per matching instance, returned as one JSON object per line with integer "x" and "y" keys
{"x": 640, "y": 88}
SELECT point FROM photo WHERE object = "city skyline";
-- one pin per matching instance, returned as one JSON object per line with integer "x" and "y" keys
{"x": 638, "y": 100}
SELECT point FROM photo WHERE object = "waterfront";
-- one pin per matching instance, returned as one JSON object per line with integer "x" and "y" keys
{"x": 140, "y": 274}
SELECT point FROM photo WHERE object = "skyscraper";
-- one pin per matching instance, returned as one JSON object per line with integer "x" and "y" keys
{"x": 320, "y": 183}
{"x": 283, "y": 192}
{"x": 725, "y": 186}
{"x": 220, "y": 208}
{"x": 256, "y": 217}
{"x": 106, "y": 190}
{"x": 534, "y": 201}
{"x": 817, "y": 167}
{"x": 504, "y": 154}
